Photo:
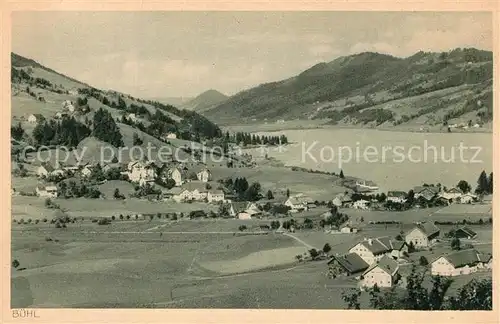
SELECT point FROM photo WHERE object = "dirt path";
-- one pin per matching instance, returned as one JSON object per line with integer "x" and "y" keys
{"x": 308, "y": 246}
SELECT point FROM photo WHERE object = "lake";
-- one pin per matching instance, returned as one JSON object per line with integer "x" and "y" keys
{"x": 393, "y": 160}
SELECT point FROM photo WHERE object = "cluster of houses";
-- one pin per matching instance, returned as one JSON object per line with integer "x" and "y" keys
{"x": 422, "y": 194}
{"x": 190, "y": 182}
{"x": 67, "y": 109}
{"x": 374, "y": 261}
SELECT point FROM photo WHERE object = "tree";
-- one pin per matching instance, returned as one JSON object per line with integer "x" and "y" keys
{"x": 137, "y": 141}
{"x": 327, "y": 248}
{"x": 308, "y": 223}
{"x": 117, "y": 194}
{"x": 352, "y": 298}
{"x": 490, "y": 183}
{"x": 17, "y": 131}
{"x": 423, "y": 261}
{"x": 287, "y": 193}
{"x": 455, "y": 244}
{"x": 253, "y": 192}
{"x": 341, "y": 174}
{"x": 15, "y": 263}
{"x": 106, "y": 129}
{"x": 313, "y": 253}
{"x": 411, "y": 247}
{"x": 482, "y": 184}
{"x": 475, "y": 295}
{"x": 464, "y": 186}
{"x": 270, "y": 195}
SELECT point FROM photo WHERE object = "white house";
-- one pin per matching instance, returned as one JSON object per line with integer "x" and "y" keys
{"x": 451, "y": 194}
{"x": 236, "y": 207}
{"x": 348, "y": 229}
{"x": 204, "y": 175}
{"x": 371, "y": 250}
{"x": 215, "y": 196}
{"x": 87, "y": 170}
{"x": 171, "y": 136}
{"x": 468, "y": 198}
{"x": 35, "y": 118}
{"x": 361, "y": 204}
{"x": 382, "y": 273}
{"x": 296, "y": 204}
{"x": 46, "y": 191}
{"x": 425, "y": 192}
{"x": 396, "y": 196}
{"x": 67, "y": 105}
{"x": 176, "y": 175}
{"x": 141, "y": 172}
{"x": 132, "y": 117}
{"x": 179, "y": 194}
{"x": 460, "y": 263}
{"x": 422, "y": 235}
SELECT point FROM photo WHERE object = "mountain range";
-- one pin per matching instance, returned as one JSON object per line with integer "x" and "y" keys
{"x": 374, "y": 89}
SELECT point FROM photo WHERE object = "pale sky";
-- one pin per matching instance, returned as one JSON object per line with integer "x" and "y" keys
{"x": 181, "y": 54}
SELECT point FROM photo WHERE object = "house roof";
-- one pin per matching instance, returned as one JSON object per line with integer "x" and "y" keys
{"x": 399, "y": 194}
{"x": 466, "y": 257}
{"x": 351, "y": 262}
{"x": 195, "y": 185}
{"x": 343, "y": 197}
{"x": 419, "y": 189}
{"x": 38, "y": 116}
{"x": 239, "y": 206}
{"x": 427, "y": 228}
{"x": 376, "y": 246}
{"x": 454, "y": 190}
{"x": 387, "y": 264}
{"x": 216, "y": 192}
{"x": 467, "y": 231}
{"x": 391, "y": 244}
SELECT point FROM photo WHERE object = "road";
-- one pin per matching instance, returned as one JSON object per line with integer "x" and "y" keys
{"x": 308, "y": 246}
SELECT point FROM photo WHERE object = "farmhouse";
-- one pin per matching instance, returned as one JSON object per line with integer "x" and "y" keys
{"x": 465, "y": 232}
{"x": 425, "y": 192}
{"x": 348, "y": 229}
{"x": 382, "y": 273}
{"x": 171, "y": 136}
{"x": 371, "y": 250}
{"x": 460, "y": 263}
{"x": 361, "y": 204}
{"x": 35, "y": 118}
{"x": 396, "y": 196}
{"x": 296, "y": 204}
{"x": 342, "y": 200}
{"x": 197, "y": 190}
{"x": 348, "y": 264}
{"x": 47, "y": 191}
{"x": 215, "y": 196}
{"x": 451, "y": 194}
{"x": 422, "y": 235}
{"x": 46, "y": 169}
{"x": 237, "y": 207}
{"x": 132, "y": 117}
{"x": 141, "y": 172}
{"x": 178, "y": 194}
{"x": 468, "y": 198}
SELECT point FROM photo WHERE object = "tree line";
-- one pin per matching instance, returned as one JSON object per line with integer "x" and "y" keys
{"x": 253, "y": 139}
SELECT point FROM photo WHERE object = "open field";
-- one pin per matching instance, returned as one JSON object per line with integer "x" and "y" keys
{"x": 316, "y": 186}
{"x": 33, "y": 207}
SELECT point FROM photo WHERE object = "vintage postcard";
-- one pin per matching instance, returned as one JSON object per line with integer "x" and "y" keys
{"x": 238, "y": 160}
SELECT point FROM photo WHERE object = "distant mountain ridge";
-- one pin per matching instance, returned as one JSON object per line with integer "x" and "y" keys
{"x": 205, "y": 100}
{"x": 375, "y": 89}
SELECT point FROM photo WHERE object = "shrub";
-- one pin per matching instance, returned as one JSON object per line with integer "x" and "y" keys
{"x": 121, "y": 216}
{"x": 21, "y": 221}
{"x": 48, "y": 239}
{"x": 423, "y": 261}
{"x": 44, "y": 220}
{"x": 241, "y": 228}
{"x": 15, "y": 263}
{"x": 58, "y": 225}
{"x": 94, "y": 220}
{"x": 113, "y": 217}
{"x": 327, "y": 248}
{"x": 128, "y": 217}
{"x": 104, "y": 221}
{"x": 37, "y": 221}
{"x": 29, "y": 220}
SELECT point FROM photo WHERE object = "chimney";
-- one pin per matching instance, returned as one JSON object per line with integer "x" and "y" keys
{"x": 370, "y": 241}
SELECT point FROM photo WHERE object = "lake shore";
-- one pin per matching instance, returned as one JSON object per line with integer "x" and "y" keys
{"x": 323, "y": 124}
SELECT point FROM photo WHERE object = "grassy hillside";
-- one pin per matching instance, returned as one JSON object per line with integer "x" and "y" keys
{"x": 37, "y": 89}
{"x": 205, "y": 101}
{"x": 375, "y": 89}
